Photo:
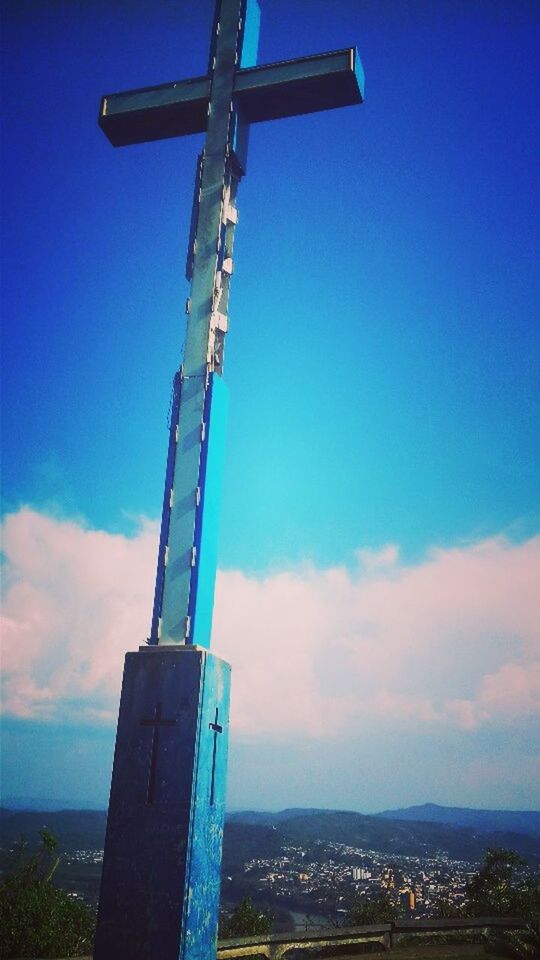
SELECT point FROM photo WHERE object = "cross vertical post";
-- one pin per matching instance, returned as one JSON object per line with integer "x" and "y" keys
{"x": 177, "y": 615}
{"x": 160, "y": 885}
{"x": 235, "y": 94}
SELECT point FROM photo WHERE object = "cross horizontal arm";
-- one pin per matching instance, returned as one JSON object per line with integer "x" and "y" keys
{"x": 305, "y": 85}
{"x": 284, "y": 89}
{"x": 156, "y": 113}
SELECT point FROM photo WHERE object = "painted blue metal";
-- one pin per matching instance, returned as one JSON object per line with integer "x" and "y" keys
{"x": 161, "y": 869}
{"x": 194, "y": 218}
{"x": 234, "y": 94}
{"x": 166, "y": 509}
{"x": 250, "y": 39}
{"x": 207, "y": 527}
{"x": 199, "y": 355}
{"x": 359, "y": 74}
{"x": 183, "y": 513}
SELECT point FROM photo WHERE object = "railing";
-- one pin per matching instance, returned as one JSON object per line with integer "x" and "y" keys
{"x": 275, "y": 945}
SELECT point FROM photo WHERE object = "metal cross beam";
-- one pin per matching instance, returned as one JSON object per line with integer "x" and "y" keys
{"x": 284, "y": 89}
{"x": 233, "y": 94}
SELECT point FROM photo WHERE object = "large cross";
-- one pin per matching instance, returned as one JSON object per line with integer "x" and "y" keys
{"x": 161, "y": 867}
{"x": 231, "y": 95}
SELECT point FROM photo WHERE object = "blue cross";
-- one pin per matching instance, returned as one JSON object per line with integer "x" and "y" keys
{"x": 233, "y": 94}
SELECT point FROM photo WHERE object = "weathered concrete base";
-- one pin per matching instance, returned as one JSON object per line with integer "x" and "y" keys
{"x": 275, "y": 948}
{"x": 276, "y": 945}
{"x": 160, "y": 887}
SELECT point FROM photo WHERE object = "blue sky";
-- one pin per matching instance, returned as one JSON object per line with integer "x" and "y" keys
{"x": 383, "y": 350}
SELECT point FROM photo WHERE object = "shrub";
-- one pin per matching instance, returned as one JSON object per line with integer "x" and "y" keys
{"x": 245, "y": 921}
{"x": 36, "y": 918}
{"x": 380, "y": 909}
{"x": 503, "y": 886}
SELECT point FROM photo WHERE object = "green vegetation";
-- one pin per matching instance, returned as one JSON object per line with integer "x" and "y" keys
{"x": 446, "y": 909}
{"x": 245, "y": 921}
{"x": 518, "y": 944}
{"x": 504, "y": 886}
{"x": 36, "y": 918}
{"x": 380, "y": 909}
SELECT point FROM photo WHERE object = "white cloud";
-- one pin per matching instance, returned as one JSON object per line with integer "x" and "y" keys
{"x": 451, "y": 641}
{"x": 75, "y": 601}
{"x": 375, "y": 559}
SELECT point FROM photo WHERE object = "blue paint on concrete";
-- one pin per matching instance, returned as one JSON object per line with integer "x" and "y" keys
{"x": 161, "y": 870}
{"x": 201, "y": 905}
{"x": 166, "y": 508}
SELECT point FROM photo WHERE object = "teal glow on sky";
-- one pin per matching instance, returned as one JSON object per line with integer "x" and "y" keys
{"x": 382, "y": 362}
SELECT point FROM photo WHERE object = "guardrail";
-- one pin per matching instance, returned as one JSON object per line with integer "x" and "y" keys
{"x": 275, "y": 945}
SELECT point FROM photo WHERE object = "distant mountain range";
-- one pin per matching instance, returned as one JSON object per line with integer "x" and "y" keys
{"x": 485, "y": 821}
{"x": 49, "y": 803}
{"x": 398, "y": 836}
{"x": 270, "y": 818}
{"x": 75, "y": 829}
{"x": 482, "y": 821}
{"x": 250, "y": 834}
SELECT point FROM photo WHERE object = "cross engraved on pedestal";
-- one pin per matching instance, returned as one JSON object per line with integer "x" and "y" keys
{"x": 217, "y": 728}
{"x": 156, "y": 722}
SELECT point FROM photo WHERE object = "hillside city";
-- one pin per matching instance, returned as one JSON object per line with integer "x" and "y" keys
{"x": 322, "y": 880}
{"x": 326, "y": 884}
{"x": 309, "y": 868}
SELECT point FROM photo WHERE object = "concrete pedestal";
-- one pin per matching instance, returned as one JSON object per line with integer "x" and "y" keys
{"x": 161, "y": 869}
